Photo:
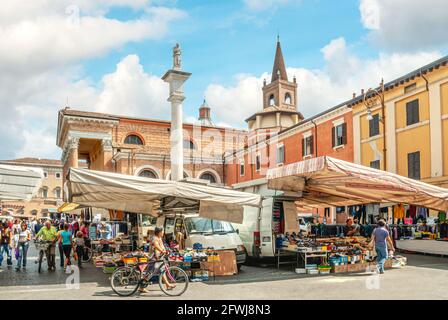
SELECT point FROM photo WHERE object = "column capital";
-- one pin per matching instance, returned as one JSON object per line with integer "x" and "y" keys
{"x": 73, "y": 143}
{"x": 106, "y": 144}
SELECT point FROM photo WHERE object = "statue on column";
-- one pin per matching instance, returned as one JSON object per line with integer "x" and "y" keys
{"x": 177, "y": 59}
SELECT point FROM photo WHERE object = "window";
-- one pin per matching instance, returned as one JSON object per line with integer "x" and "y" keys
{"x": 414, "y": 165}
{"x": 280, "y": 154}
{"x": 410, "y": 88}
{"x": 339, "y": 135}
{"x": 148, "y": 221}
{"x": 188, "y": 144}
{"x": 58, "y": 175}
{"x": 148, "y": 173}
{"x": 133, "y": 139}
{"x": 257, "y": 163}
{"x": 271, "y": 100}
{"x": 412, "y": 114}
{"x": 242, "y": 168}
{"x": 45, "y": 192}
{"x": 374, "y": 125}
{"x": 45, "y": 174}
{"x": 375, "y": 164}
{"x": 287, "y": 98}
{"x": 57, "y": 193}
{"x": 307, "y": 146}
{"x": 203, "y": 225}
{"x": 208, "y": 176}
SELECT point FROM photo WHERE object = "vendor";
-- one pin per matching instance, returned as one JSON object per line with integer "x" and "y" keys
{"x": 104, "y": 233}
{"x": 351, "y": 228}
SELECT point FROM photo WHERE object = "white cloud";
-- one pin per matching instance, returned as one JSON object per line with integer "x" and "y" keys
{"x": 318, "y": 89}
{"x": 258, "y": 5}
{"x": 406, "y": 24}
{"x": 130, "y": 91}
{"x": 41, "y": 45}
{"x": 53, "y": 41}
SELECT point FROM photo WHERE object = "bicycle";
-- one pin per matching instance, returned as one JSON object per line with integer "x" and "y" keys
{"x": 43, "y": 247}
{"x": 126, "y": 280}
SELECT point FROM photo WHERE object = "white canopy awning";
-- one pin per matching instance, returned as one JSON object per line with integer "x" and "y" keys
{"x": 19, "y": 183}
{"x": 138, "y": 194}
{"x": 327, "y": 181}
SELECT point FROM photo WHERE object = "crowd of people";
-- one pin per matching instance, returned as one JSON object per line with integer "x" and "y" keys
{"x": 16, "y": 235}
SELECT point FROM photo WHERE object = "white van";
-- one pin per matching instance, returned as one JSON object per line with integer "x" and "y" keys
{"x": 278, "y": 215}
{"x": 219, "y": 235}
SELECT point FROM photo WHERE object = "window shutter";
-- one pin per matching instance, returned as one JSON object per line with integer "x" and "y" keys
{"x": 312, "y": 145}
{"x": 417, "y": 165}
{"x": 416, "y": 111}
{"x": 333, "y": 137}
{"x": 410, "y": 165}
{"x": 303, "y": 147}
{"x": 408, "y": 114}
{"x": 344, "y": 133}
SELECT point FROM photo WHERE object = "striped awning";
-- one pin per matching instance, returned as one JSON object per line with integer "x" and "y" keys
{"x": 326, "y": 181}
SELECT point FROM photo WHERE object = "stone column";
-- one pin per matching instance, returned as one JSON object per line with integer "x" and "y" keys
{"x": 73, "y": 145}
{"x": 106, "y": 145}
{"x": 176, "y": 78}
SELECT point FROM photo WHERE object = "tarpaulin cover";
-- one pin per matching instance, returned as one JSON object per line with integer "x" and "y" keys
{"x": 139, "y": 194}
{"x": 327, "y": 181}
{"x": 19, "y": 183}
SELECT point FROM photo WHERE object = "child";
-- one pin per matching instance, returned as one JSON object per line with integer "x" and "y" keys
{"x": 79, "y": 247}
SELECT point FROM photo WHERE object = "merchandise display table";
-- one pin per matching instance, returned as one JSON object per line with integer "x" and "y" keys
{"x": 424, "y": 246}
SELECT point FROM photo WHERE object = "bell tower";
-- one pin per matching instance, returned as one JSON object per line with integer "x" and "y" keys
{"x": 279, "y": 99}
{"x": 280, "y": 93}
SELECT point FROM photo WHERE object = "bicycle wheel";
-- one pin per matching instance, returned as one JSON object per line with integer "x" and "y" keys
{"x": 87, "y": 254}
{"x": 125, "y": 281}
{"x": 41, "y": 258}
{"x": 175, "y": 276}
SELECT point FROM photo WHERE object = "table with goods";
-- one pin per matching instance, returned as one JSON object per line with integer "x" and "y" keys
{"x": 333, "y": 254}
{"x": 199, "y": 264}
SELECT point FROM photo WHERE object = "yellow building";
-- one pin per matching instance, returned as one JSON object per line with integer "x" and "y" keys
{"x": 49, "y": 197}
{"x": 402, "y": 126}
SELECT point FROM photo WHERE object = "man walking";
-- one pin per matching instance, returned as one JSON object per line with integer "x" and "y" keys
{"x": 383, "y": 244}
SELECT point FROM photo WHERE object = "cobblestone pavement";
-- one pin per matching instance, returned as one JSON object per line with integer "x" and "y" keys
{"x": 424, "y": 278}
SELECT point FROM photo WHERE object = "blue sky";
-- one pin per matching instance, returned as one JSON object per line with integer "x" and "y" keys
{"x": 109, "y": 55}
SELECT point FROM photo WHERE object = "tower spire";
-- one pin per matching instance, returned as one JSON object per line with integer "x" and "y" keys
{"x": 279, "y": 69}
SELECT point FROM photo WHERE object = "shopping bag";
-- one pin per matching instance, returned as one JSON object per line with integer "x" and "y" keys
{"x": 17, "y": 253}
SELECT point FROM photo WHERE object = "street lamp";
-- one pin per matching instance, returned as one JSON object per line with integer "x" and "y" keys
{"x": 370, "y": 99}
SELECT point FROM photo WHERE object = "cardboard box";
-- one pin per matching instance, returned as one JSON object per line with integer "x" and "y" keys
{"x": 339, "y": 269}
{"x": 225, "y": 267}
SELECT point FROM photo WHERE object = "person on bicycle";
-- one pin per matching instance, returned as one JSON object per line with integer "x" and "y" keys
{"x": 160, "y": 250}
{"x": 49, "y": 233}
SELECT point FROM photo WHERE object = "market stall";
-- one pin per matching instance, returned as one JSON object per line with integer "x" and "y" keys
{"x": 325, "y": 181}
{"x": 126, "y": 195}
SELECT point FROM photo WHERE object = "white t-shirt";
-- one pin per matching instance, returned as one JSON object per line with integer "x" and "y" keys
{"x": 23, "y": 235}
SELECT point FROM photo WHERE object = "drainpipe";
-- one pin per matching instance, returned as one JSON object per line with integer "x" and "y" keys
{"x": 426, "y": 80}
{"x": 315, "y": 136}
